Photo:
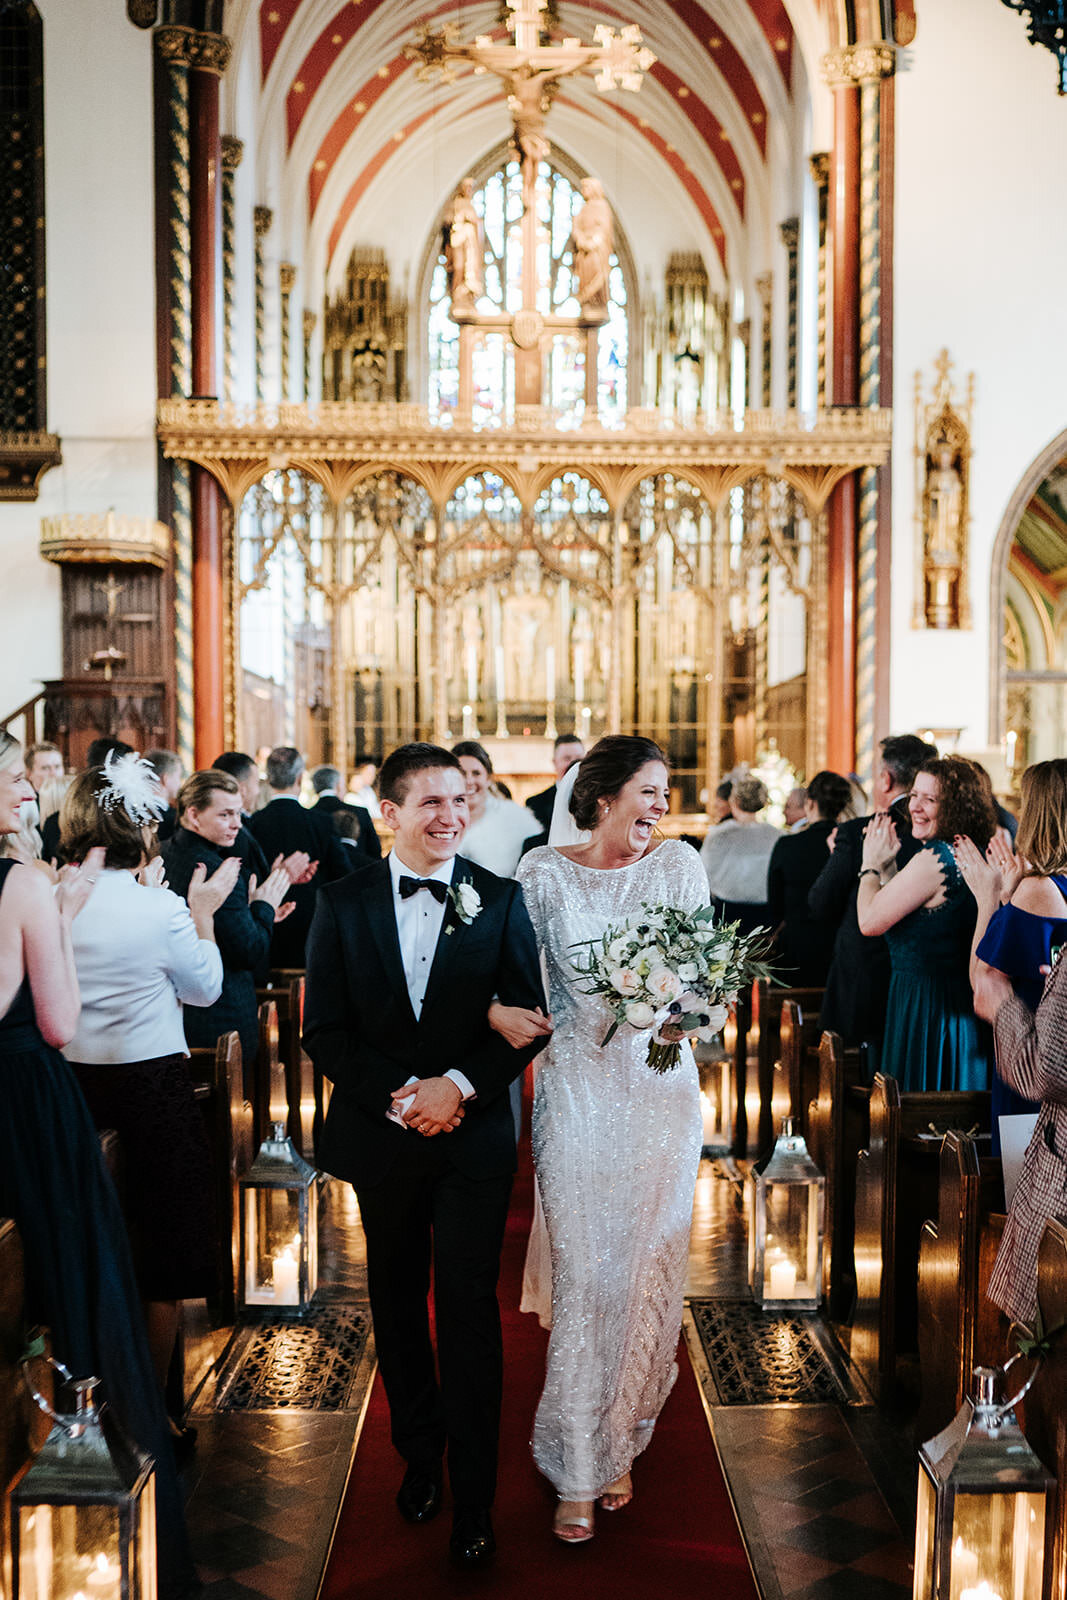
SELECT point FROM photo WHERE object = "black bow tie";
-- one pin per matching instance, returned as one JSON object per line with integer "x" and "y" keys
{"x": 410, "y": 886}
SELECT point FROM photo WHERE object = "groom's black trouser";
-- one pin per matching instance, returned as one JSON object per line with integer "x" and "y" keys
{"x": 424, "y": 1211}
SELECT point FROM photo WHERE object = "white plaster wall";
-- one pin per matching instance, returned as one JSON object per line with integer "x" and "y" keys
{"x": 981, "y": 238}
{"x": 101, "y": 313}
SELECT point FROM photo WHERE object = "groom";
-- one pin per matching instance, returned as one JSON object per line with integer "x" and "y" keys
{"x": 404, "y": 958}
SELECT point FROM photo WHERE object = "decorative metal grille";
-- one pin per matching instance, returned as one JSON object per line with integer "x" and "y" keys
{"x": 313, "y": 1365}
{"x": 756, "y": 1359}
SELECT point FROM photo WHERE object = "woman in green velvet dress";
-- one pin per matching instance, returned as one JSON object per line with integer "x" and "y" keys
{"x": 926, "y": 912}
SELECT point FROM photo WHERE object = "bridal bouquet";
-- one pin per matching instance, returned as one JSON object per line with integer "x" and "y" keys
{"x": 673, "y": 971}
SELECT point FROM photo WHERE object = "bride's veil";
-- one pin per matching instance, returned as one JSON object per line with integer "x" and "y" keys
{"x": 563, "y": 829}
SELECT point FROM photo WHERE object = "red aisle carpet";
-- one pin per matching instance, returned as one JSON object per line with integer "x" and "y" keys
{"x": 678, "y": 1538}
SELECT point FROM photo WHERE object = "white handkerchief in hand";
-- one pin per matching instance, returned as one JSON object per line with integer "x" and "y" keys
{"x": 400, "y": 1105}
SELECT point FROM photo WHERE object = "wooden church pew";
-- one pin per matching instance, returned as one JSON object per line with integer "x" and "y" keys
{"x": 796, "y": 1071}
{"x": 286, "y": 989}
{"x": 836, "y": 1127}
{"x": 896, "y": 1189}
{"x": 218, "y": 1079}
{"x": 739, "y": 1046}
{"x": 958, "y": 1328}
{"x": 268, "y": 1087}
{"x": 767, "y": 1003}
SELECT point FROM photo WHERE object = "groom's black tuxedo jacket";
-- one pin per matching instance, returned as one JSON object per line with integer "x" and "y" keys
{"x": 361, "y": 1031}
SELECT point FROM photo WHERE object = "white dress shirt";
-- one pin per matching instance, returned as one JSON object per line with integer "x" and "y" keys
{"x": 419, "y": 919}
{"x": 138, "y": 957}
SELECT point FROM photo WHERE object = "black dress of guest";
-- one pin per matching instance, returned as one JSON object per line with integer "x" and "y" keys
{"x": 366, "y": 846}
{"x": 805, "y": 944}
{"x": 280, "y": 828}
{"x": 79, "y": 1276}
{"x": 242, "y": 933}
{"x": 857, "y": 986}
{"x": 542, "y": 806}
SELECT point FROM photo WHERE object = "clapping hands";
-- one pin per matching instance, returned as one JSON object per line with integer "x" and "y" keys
{"x": 992, "y": 878}
{"x": 881, "y": 842}
{"x": 76, "y": 883}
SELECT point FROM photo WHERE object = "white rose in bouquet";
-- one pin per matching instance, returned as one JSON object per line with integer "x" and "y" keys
{"x": 639, "y": 1014}
{"x": 624, "y": 980}
{"x": 663, "y": 984}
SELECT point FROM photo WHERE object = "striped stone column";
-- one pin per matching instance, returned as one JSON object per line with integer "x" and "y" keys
{"x": 286, "y": 282}
{"x": 765, "y": 290}
{"x": 873, "y": 66}
{"x": 309, "y": 333}
{"x": 173, "y": 58}
{"x": 263, "y": 217}
{"x": 232, "y": 152}
{"x": 819, "y": 166}
{"x": 790, "y": 236}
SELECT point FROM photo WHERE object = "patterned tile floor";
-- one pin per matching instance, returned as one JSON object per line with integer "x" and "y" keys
{"x": 824, "y": 1491}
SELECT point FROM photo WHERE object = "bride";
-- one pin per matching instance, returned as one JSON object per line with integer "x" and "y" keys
{"x": 616, "y": 1145}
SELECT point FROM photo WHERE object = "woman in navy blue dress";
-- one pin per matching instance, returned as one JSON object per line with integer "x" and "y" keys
{"x": 1022, "y": 902}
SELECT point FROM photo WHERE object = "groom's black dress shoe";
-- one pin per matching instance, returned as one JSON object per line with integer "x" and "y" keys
{"x": 419, "y": 1496}
{"x": 472, "y": 1543}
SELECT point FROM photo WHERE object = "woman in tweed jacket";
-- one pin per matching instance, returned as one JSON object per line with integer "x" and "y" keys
{"x": 1032, "y": 1059}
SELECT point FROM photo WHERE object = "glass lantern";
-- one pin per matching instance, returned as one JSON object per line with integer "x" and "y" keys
{"x": 786, "y": 1202}
{"x": 83, "y": 1514}
{"x": 985, "y": 1520}
{"x": 279, "y": 1227}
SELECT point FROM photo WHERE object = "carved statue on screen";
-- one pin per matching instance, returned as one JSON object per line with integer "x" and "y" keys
{"x": 592, "y": 240}
{"x": 464, "y": 249}
{"x": 942, "y": 454}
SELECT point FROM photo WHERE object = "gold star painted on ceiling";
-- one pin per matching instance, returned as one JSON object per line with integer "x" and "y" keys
{"x": 683, "y": 92}
{"x": 274, "y": 16}
{"x": 383, "y": 72}
{"x": 757, "y": 116}
{"x": 669, "y": 149}
{"x": 298, "y": 87}
{"x": 398, "y": 136}
{"x": 643, "y": 122}
{"x": 359, "y": 107}
{"x": 715, "y": 42}
{"x": 735, "y": 183}
{"x": 781, "y": 45}
{"x": 320, "y": 165}
{"x": 338, "y": 38}
{"x": 724, "y": 136}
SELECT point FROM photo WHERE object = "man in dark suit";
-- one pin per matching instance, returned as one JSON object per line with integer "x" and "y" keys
{"x": 353, "y": 825}
{"x": 568, "y": 749}
{"x": 167, "y": 767}
{"x": 857, "y": 986}
{"x": 405, "y": 958}
{"x": 285, "y": 826}
{"x": 805, "y": 943}
{"x": 209, "y": 815}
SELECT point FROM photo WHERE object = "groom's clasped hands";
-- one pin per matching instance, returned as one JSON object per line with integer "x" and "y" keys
{"x": 429, "y": 1105}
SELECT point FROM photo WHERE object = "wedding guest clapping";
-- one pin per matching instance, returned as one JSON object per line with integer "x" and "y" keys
{"x": 1022, "y": 902}
{"x": 209, "y": 815}
{"x": 140, "y": 953}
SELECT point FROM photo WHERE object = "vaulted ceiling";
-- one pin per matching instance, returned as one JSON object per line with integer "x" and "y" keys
{"x": 353, "y": 147}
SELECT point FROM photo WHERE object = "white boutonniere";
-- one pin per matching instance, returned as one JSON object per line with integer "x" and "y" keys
{"x": 466, "y": 901}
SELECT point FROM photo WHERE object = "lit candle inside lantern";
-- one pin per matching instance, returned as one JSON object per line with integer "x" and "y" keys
{"x": 501, "y": 690}
{"x": 707, "y": 1113}
{"x": 286, "y": 1282}
{"x": 104, "y": 1577}
{"x": 964, "y": 1565}
{"x": 783, "y": 1280}
{"x": 981, "y": 1591}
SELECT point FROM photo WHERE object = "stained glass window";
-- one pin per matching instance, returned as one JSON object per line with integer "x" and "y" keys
{"x": 498, "y": 201}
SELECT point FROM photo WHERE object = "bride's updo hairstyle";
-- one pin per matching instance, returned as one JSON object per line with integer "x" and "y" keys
{"x": 608, "y": 767}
